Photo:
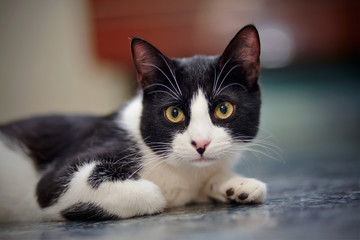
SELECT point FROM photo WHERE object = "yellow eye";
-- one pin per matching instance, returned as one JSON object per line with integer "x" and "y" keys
{"x": 174, "y": 114}
{"x": 224, "y": 110}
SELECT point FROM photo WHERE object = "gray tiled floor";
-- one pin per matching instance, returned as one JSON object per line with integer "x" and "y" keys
{"x": 314, "y": 190}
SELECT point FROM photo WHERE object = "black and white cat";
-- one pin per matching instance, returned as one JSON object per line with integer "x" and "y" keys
{"x": 173, "y": 144}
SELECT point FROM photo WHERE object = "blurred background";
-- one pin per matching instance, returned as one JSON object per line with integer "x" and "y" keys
{"x": 74, "y": 57}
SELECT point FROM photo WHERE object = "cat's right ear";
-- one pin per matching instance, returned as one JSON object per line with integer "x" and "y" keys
{"x": 147, "y": 60}
{"x": 243, "y": 52}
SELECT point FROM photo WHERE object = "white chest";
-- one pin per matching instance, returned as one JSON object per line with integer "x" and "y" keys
{"x": 179, "y": 185}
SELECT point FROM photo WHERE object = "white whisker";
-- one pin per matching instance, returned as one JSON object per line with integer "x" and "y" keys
{"x": 161, "y": 85}
{"x": 152, "y": 65}
{"x": 217, "y": 79}
{"x": 160, "y": 91}
{"x": 213, "y": 89}
{"x": 232, "y": 84}
{"x": 217, "y": 91}
{"x": 173, "y": 75}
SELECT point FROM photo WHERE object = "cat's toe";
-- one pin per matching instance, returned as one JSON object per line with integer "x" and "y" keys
{"x": 244, "y": 190}
{"x": 243, "y": 196}
{"x": 253, "y": 191}
{"x": 230, "y": 192}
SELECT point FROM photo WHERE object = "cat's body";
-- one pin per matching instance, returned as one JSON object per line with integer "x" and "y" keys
{"x": 173, "y": 144}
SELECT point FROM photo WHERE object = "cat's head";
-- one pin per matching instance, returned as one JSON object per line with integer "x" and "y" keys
{"x": 202, "y": 109}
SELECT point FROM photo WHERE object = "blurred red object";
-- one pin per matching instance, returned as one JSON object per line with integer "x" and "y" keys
{"x": 169, "y": 25}
{"x": 321, "y": 28}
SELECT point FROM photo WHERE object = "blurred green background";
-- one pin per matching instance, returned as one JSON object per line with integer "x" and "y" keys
{"x": 311, "y": 113}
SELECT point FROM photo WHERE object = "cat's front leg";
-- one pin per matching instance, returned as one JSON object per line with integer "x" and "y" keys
{"x": 228, "y": 187}
{"x": 85, "y": 199}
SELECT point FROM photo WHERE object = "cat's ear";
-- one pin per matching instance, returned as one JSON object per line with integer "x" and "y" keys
{"x": 147, "y": 60}
{"x": 243, "y": 52}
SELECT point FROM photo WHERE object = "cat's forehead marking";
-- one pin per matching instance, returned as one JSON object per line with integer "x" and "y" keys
{"x": 200, "y": 122}
{"x": 199, "y": 106}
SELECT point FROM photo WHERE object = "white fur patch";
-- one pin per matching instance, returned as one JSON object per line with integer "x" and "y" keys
{"x": 221, "y": 183}
{"x": 122, "y": 198}
{"x": 18, "y": 179}
{"x": 254, "y": 189}
{"x": 130, "y": 117}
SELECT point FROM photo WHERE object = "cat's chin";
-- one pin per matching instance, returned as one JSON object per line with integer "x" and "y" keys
{"x": 192, "y": 161}
{"x": 203, "y": 161}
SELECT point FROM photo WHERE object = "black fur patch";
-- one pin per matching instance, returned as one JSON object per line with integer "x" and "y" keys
{"x": 47, "y": 138}
{"x": 87, "y": 212}
{"x": 114, "y": 171}
{"x": 60, "y": 144}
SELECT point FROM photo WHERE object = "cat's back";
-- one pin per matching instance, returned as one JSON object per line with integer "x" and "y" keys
{"x": 46, "y": 138}
{"x": 27, "y": 147}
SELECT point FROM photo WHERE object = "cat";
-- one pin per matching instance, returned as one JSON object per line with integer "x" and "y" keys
{"x": 173, "y": 144}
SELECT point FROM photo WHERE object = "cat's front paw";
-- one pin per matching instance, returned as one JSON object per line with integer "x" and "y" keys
{"x": 244, "y": 190}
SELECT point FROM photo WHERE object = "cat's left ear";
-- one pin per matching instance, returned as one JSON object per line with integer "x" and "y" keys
{"x": 148, "y": 60}
{"x": 243, "y": 52}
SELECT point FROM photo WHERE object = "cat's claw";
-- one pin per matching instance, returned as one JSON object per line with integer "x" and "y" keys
{"x": 244, "y": 190}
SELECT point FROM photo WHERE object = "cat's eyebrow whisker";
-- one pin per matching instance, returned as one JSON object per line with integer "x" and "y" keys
{"x": 160, "y": 91}
{"x": 222, "y": 81}
{"x": 213, "y": 89}
{"x": 162, "y": 85}
{"x": 217, "y": 79}
{"x": 173, "y": 75}
{"x": 229, "y": 85}
{"x": 152, "y": 65}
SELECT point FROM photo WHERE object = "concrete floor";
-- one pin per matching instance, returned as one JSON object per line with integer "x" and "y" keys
{"x": 314, "y": 190}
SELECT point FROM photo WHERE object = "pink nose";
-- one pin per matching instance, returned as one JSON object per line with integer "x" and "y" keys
{"x": 200, "y": 145}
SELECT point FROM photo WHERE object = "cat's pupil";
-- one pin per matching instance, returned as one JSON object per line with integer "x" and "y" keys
{"x": 223, "y": 109}
{"x": 175, "y": 113}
